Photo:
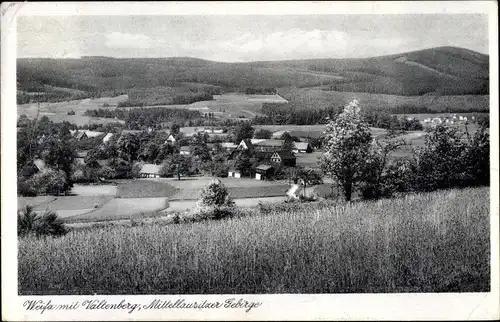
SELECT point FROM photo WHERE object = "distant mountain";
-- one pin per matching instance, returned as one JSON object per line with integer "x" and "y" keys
{"x": 436, "y": 71}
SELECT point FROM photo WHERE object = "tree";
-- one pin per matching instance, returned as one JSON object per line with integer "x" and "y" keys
{"x": 175, "y": 129}
{"x": 243, "y": 163}
{"x": 380, "y": 175}
{"x": 347, "y": 146}
{"x": 243, "y": 131}
{"x": 263, "y": 134}
{"x": 30, "y": 222}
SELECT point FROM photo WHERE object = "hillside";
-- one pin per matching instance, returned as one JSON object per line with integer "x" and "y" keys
{"x": 437, "y": 71}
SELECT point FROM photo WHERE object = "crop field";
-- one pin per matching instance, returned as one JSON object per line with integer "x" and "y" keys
{"x": 256, "y": 191}
{"x": 435, "y": 242}
{"x": 60, "y": 109}
{"x": 94, "y": 190}
{"x": 145, "y": 189}
{"x": 65, "y": 206}
{"x": 124, "y": 208}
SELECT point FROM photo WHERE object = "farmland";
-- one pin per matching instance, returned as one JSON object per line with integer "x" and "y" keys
{"x": 57, "y": 112}
{"x": 316, "y": 98}
{"x": 435, "y": 242}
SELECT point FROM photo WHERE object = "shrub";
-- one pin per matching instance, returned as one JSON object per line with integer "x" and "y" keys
{"x": 49, "y": 181}
{"x": 30, "y": 222}
{"x": 71, "y": 112}
{"x": 106, "y": 172}
{"x": 214, "y": 203}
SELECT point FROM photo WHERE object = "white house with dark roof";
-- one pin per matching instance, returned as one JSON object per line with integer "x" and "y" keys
{"x": 301, "y": 147}
{"x": 150, "y": 170}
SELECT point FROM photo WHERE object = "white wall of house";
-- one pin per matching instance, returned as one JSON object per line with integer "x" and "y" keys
{"x": 237, "y": 175}
{"x": 258, "y": 176}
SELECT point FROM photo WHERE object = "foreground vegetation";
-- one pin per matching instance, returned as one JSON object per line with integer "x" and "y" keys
{"x": 435, "y": 242}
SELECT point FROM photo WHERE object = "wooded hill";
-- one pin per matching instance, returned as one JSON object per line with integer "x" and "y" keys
{"x": 436, "y": 71}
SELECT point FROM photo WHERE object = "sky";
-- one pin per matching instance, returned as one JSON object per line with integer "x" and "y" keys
{"x": 247, "y": 38}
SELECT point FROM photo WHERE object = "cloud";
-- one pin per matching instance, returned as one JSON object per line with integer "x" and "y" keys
{"x": 291, "y": 44}
{"x": 118, "y": 40}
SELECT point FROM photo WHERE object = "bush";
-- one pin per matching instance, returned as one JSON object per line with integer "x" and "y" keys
{"x": 214, "y": 203}
{"x": 444, "y": 160}
{"x": 30, "y": 222}
{"x": 49, "y": 181}
{"x": 106, "y": 173}
{"x": 71, "y": 112}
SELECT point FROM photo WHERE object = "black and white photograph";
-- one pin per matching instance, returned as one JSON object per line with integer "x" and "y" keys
{"x": 249, "y": 155}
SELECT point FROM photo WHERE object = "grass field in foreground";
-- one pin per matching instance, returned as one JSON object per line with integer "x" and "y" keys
{"x": 437, "y": 242}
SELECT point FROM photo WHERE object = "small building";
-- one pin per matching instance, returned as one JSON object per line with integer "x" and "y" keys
{"x": 245, "y": 145}
{"x": 185, "y": 150}
{"x": 263, "y": 171}
{"x": 107, "y": 137}
{"x": 284, "y": 158}
{"x": 39, "y": 164}
{"x": 218, "y": 131}
{"x": 170, "y": 139}
{"x": 150, "y": 170}
{"x": 80, "y": 135}
{"x": 234, "y": 173}
{"x": 301, "y": 147}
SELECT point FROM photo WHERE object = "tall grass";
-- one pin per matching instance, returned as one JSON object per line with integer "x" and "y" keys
{"x": 437, "y": 242}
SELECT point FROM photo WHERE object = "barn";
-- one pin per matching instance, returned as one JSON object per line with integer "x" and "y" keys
{"x": 263, "y": 171}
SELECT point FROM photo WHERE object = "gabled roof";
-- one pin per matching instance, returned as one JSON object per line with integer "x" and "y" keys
{"x": 107, "y": 137}
{"x": 276, "y": 143}
{"x": 228, "y": 145}
{"x": 39, "y": 163}
{"x": 255, "y": 141}
{"x": 171, "y": 138}
{"x": 150, "y": 168}
{"x": 300, "y": 145}
{"x": 263, "y": 167}
{"x": 79, "y": 135}
{"x": 103, "y": 162}
{"x": 247, "y": 144}
{"x": 82, "y": 154}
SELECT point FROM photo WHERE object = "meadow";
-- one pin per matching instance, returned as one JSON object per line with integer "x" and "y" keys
{"x": 435, "y": 242}
{"x": 316, "y": 98}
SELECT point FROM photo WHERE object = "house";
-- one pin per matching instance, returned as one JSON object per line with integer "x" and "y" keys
{"x": 245, "y": 145}
{"x": 283, "y": 158}
{"x": 170, "y": 139}
{"x": 437, "y": 120}
{"x": 80, "y": 157}
{"x": 185, "y": 150}
{"x": 263, "y": 171}
{"x": 107, "y": 137}
{"x": 301, "y": 147}
{"x": 150, "y": 170}
{"x": 36, "y": 165}
{"x": 218, "y": 131}
{"x": 80, "y": 135}
{"x": 232, "y": 171}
